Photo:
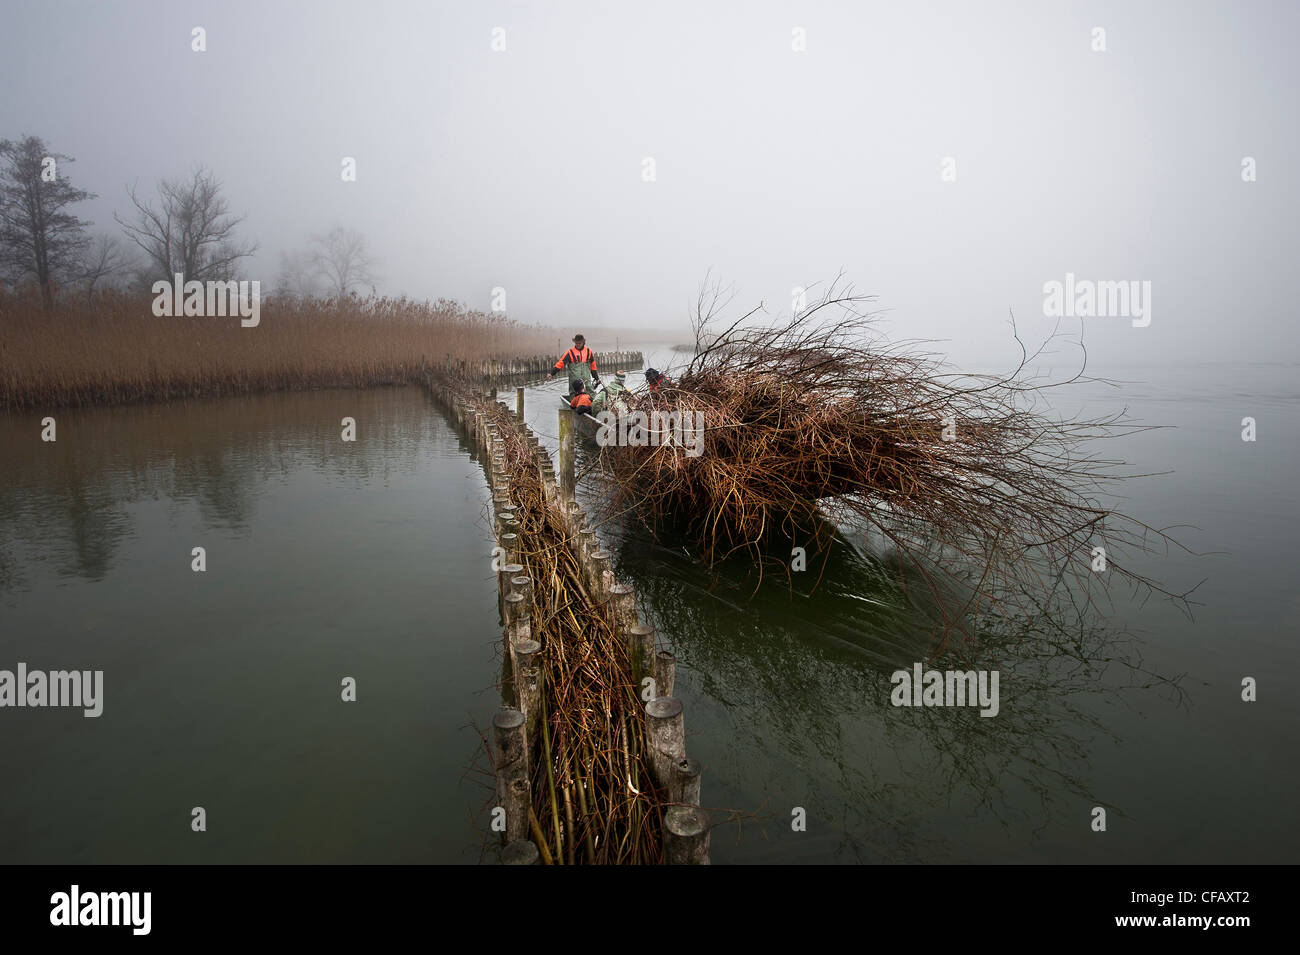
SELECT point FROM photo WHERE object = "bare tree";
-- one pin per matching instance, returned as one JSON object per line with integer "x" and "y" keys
{"x": 107, "y": 262}
{"x": 37, "y": 238}
{"x": 190, "y": 231}
{"x": 299, "y": 276}
{"x": 342, "y": 260}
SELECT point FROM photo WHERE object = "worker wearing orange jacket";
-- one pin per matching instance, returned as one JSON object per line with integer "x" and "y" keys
{"x": 581, "y": 400}
{"x": 579, "y": 361}
{"x": 656, "y": 379}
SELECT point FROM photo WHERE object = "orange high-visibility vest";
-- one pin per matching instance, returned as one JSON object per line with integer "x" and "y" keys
{"x": 577, "y": 356}
{"x": 581, "y": 402}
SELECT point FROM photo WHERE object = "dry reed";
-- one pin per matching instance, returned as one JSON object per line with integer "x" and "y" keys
{"x": 114, "y": 349}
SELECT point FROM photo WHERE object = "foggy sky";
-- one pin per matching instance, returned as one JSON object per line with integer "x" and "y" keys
{"x": 523, "y": 168}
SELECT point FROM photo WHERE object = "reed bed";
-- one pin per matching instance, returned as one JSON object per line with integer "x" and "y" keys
{"x": 114, "y": 349}
{"x": 593, "y": 799}
{"x": 968, "y": 483}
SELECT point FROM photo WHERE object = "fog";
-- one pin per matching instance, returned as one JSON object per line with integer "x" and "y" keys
{"x": 523, "y": 168}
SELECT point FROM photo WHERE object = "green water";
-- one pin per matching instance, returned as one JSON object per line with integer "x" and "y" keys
{"x": 370, "y": 560}
{"x": 222, "y": 689}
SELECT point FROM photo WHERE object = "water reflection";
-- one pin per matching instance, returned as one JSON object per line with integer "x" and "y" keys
{"x": 325, "y": 559}
{"x": 70, "y": 500}
{"x": 794, "y": 675}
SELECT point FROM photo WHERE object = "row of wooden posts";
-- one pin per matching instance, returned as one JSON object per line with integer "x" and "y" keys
{"x": 685, "y": 824}
{"x": 524, "y": 367}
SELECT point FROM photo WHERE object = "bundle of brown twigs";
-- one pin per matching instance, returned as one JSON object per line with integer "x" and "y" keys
{"x": 966, "y": 481}
{"x": 593, "y": 801}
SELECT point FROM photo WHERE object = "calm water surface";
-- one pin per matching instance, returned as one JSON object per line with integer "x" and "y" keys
{"x": 222, "y": 689}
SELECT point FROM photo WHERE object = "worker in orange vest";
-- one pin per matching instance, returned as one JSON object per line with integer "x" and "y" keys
{"x": 581, "y": 399}
{"x": 579, "y": 361}
{"x": 656, "y": 379}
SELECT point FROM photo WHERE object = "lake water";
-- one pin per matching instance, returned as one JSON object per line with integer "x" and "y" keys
{"x": 325, "y": 560}
{"x": 370, "y": 560}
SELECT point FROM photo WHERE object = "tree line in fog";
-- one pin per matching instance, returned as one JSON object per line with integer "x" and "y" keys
{"x": 183, "y": 226}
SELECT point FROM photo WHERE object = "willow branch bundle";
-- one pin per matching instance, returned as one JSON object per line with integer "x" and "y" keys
{"x": 978, "y": 491}
{"x": 592, "y": 793}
